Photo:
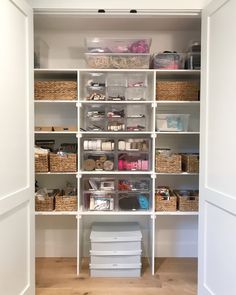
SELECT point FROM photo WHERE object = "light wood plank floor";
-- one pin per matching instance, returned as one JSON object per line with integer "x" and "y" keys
{"x": 174, "y": 276}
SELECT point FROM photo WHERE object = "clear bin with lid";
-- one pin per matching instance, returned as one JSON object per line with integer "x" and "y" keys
{"x": 118, "y": 45}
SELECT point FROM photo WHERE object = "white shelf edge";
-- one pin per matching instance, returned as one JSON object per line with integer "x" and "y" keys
{"x": 179, "y": 133}
{"x": 56, "y": 213}
{"x": 180, "y": 174}
{"x": 116, "y": 172}
{"x": 55, "y": 132}
{"x": 55, "y": 101}
{"x": 117, "y": 102}
{"x": 160, "y": 71}
{"x": 177, "y": 213}
{"x": 187, "y": 102}
{"x": 102, "y": 213}
{"x": 115, "y": 133}
{"x": 56, "y": 173}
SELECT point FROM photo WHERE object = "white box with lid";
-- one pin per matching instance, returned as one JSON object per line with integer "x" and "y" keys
{"x": 115, "y": 250}
{"x": 115, "y": 257}
{"x": 116, "y": 237}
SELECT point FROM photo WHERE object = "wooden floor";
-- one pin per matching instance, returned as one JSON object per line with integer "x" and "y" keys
{"x": 174, "y": 276}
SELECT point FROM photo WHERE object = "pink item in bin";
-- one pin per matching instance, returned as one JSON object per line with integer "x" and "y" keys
{"x": 139, "y": 167}
{"x": 145, "y": 165}
{"x": 134, "y": 165}
{"x": 128, "y": 166}
{"x": 120, "y": 165}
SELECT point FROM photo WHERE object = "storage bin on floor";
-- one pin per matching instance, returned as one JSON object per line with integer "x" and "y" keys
{"x": 115, "y": 250}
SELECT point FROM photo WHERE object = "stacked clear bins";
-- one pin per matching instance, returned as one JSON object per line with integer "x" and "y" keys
{"x": 117, "y": 193}
{"x": 121, "y": 90}
{"x": 115, "y": 250}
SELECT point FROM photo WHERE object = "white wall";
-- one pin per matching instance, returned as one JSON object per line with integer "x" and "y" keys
{"x": 121, "y": 4}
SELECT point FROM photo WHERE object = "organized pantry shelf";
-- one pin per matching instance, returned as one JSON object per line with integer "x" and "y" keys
{"x": 121, "y": 122}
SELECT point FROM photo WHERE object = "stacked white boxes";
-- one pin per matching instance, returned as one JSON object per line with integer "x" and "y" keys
{"x": 115, "y": 250}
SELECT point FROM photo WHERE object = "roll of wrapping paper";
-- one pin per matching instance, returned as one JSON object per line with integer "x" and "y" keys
{"x": 89, "y": 164}
{"x": 99, "y": 165}
{"x": 108, "y": 165}
{"x": 103, "y": 159}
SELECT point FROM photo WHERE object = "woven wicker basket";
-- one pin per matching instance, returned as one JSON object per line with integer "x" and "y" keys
{"x": 44, "y": 203}
{"x": 168, "y": 164}
{"x": 55, "y": 90}
{"x": 190, "y": 163}
{"x": 63, "y": 163}
{"x": 187, "y": 200}
{"x": 41, "y": 162}
{"x": 177, "y": 90}
{"x": 65, "y": 203}
{"x": 165, "y": 203}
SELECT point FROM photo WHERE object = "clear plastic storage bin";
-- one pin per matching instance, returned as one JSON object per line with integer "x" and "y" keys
{"x": 135, "y": 93}
{"x": 133, "y": 201}
{"x": 170, "y": 61}
{"x": 99, "y": 201}
{"x": 118, "y": 45}
{"x": 117, "y": 61}
{"x": 98, "y": 161}
{"x": 133, "y": 162}
{"x": 172, "y": 122}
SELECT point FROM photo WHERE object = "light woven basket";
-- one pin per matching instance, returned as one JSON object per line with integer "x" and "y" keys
{"x": 63, "y": 163}
{"x": 55, "y": 90}
{"x": 168, "y": 163}
{"x": 65, "y": 203}
{"x": 188, "y": 202}
{"x": 41, "y": 162}
{"x": 165, "y": 203}
{"x": 44, "y": 203}
{"x": 177, "y": 90}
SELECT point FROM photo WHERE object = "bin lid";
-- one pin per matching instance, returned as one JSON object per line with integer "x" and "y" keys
{"x": 115, "y": 266}
{"x": 115, "y": 232}
{"x": 115, "y": 253}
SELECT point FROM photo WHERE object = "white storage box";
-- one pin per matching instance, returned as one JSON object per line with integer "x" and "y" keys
{"x": 172, "y": 122}
{"x": 115, "y": 257}
{"x": 115, "y": 270}
{"x": 116, "y": 237}
{"x": 118, "y": 61}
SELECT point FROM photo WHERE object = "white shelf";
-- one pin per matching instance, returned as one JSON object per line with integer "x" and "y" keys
{"x": 46, "y": 71}
{"x": 55, "y": 132}
{"x": 171, "y": 102}
{"x": 177, "y": 72}
{"x": 56, "y": 173}
{"x": 179, "y": 133}
{"x": 114, "y": 133}
{"x": 115, "y": 213}
{"x": 176, "y": 213}
{"x": 55, "y": 101}
{"x": 117, "y": 102}
{"x": 56, "y": 213}
{"x": 116, "y": 172}
{"x": 178, "y": 174}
